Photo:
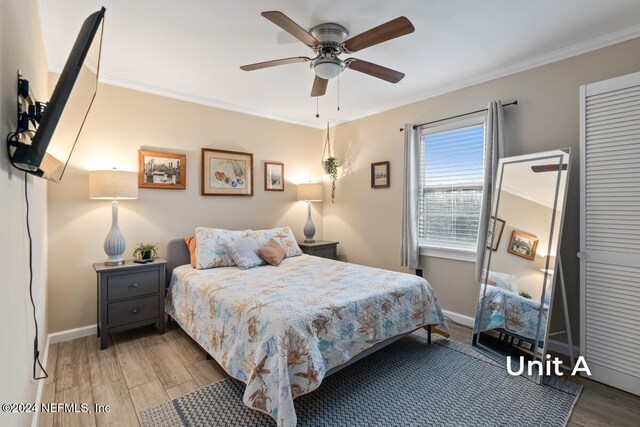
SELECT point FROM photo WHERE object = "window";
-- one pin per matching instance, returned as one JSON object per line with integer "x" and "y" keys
{"x": 452, "y": 167}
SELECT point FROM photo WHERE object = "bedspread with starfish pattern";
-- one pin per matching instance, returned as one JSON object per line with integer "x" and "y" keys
{"x": 509, "y": 311}
{"x": 280, "y": 329}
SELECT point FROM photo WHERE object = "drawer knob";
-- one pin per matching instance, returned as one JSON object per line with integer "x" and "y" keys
{"x": 134, "y": 285}
{"x": 134, "y": 311}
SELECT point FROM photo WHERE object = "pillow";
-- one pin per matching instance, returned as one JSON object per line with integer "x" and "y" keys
{"x": 504, "y": 281}
{"x": 547, "y": 295}
{"x": 211, "y": 249}
{"x": 272, "y": 252}
{"x": 245, "y": 253}
{"x": 282, "y": 235}
{"x": 191, "y": 244}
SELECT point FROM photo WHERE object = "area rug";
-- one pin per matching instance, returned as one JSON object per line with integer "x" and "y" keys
{"x": 409, "y": 383}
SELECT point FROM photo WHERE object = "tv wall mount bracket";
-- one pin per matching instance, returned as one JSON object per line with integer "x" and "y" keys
{"x": 29, "y": 114}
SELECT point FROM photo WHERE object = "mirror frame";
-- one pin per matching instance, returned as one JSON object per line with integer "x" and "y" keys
{"x": 549, "y": 281}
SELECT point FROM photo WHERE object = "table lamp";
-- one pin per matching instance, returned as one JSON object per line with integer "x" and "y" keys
{"x": 552, "y": 265}
{"x": 310, "y": 193}
{"x": 113, "y": 185}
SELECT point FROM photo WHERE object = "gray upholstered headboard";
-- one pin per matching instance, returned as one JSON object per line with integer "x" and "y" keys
{"x": 177, "y": 255}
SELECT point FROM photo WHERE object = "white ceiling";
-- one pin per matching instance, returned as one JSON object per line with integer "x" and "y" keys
{"x": 192, "y": 49}
{"x": 518, "y": 178}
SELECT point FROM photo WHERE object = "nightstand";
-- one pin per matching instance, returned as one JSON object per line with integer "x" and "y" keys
{"x": 130, "y": 295}
{"x": 321, "y": 248}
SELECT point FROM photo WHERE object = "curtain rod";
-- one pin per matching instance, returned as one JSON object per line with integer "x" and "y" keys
{"x": 459, "y": 115}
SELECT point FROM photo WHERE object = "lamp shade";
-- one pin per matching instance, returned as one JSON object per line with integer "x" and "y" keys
{"x": 113, "y": 184}
{"x": 310, "y": 192}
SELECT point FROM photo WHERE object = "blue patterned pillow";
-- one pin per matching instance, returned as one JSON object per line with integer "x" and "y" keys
{"x": 245, "y": 253}
{"x": 211, "y": 248}
{"x": 282, "y": 235}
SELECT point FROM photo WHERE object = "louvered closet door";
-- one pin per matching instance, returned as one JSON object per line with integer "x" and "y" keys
{"x": 610, "y": 238}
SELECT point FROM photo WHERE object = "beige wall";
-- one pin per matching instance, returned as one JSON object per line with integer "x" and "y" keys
{"x": 121, "y": 122}
{"x": 367, "y": 222}
{"x": 532, "y": 218}
{"x": 20, "y": 48}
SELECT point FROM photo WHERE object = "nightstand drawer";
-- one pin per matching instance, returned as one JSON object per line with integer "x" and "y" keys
{"x": 132, "y": 285}
{"x": 122, "y": 313}
{"x": 324, "y": 252}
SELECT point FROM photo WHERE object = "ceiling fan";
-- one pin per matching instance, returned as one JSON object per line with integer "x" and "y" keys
{"x": 548, "y": 168}
{"x": 329, "y": 41}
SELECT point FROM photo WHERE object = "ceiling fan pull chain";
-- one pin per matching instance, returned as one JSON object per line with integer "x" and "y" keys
{"x": 317, "y": 113}
{"x": 338, "y": 92}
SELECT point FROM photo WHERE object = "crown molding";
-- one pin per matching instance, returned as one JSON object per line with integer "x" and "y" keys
{"x": 550, "y": 57}
{"x": 195, "y": 99}
{"x": 538, "y": 61}
{"x": 532, "y": 199}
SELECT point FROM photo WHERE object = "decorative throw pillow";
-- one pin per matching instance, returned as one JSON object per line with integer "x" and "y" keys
{"x": 272, "y": 252}
{"x": 191, "y": 244}
{"x": 245, "y": 253}
{"x": 282, "y": 235}
{"x": 211, "y": 246}
{"x": 504, "y": 281}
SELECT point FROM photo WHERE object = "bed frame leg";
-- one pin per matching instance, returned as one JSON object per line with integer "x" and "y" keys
{"x": 429, "y": 334}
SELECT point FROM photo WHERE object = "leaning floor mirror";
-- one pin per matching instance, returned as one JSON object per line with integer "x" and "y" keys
{"x": 523, "y": 243}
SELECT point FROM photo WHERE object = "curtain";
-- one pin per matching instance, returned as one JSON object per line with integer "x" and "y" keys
{"x": 410, "y": 251}
{"x": 494, "y": 149}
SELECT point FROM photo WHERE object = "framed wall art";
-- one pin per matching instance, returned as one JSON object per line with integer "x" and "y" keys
{"x": 226, "y": 173}
{"x": 380, "y": 175}
{"x": 499, "y": 226}
{"x": 523, "y": 244}
{"x": 273, "y": 176}
{"x": 162, "y": 170}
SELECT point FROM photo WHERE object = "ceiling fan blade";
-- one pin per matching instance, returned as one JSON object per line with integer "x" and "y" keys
{"x": 395, "y": 28}
{"x": 319, "y": 86}
{"x": 548, "y": 168}
{"x": 284, "y": 22}
{"x": 275, "y": 62}
{"x": 375, "y": 70}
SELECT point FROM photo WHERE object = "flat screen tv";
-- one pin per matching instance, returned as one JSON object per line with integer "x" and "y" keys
{"x": 50, "y": 148}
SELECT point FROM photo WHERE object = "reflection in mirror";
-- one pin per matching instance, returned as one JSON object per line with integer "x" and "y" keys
{"x": 517, "y": 286}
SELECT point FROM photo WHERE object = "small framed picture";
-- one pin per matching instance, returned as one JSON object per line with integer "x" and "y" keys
{"x": 273, "y": 176}
{"x": 498, "y": 225}
{"x": 226, "y": 173}
{"x": 162, "y": 170}
{"x": 380, "y": 175}
{"x": 523, "y": 244}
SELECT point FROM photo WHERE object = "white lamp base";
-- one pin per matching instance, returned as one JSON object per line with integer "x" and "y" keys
{"x": 309, "y": 228}
{"x": 114, "y": 243}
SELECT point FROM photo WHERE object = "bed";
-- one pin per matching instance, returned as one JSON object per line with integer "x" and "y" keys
{"x": 510, "y": 313}
{"x": 281, "y": 330}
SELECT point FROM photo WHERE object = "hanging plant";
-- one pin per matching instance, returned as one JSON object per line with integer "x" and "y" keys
{"x": 331, "y": 169}
{"x": 330, "y": 165}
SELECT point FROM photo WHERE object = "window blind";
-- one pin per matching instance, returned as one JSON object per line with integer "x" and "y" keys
{"x": 452, "y": 164}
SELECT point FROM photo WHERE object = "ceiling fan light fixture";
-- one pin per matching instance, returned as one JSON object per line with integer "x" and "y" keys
{"x": 327, "y": 68}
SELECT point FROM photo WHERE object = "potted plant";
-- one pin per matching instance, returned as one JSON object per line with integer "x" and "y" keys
{"x": 146, "y": 251}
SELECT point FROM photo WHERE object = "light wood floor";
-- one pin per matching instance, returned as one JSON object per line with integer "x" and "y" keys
{"x": 142, "y": 369}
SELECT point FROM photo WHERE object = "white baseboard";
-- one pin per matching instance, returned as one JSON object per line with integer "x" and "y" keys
{"x": 71, "y": 334}
{"x": 459, "y": 318}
